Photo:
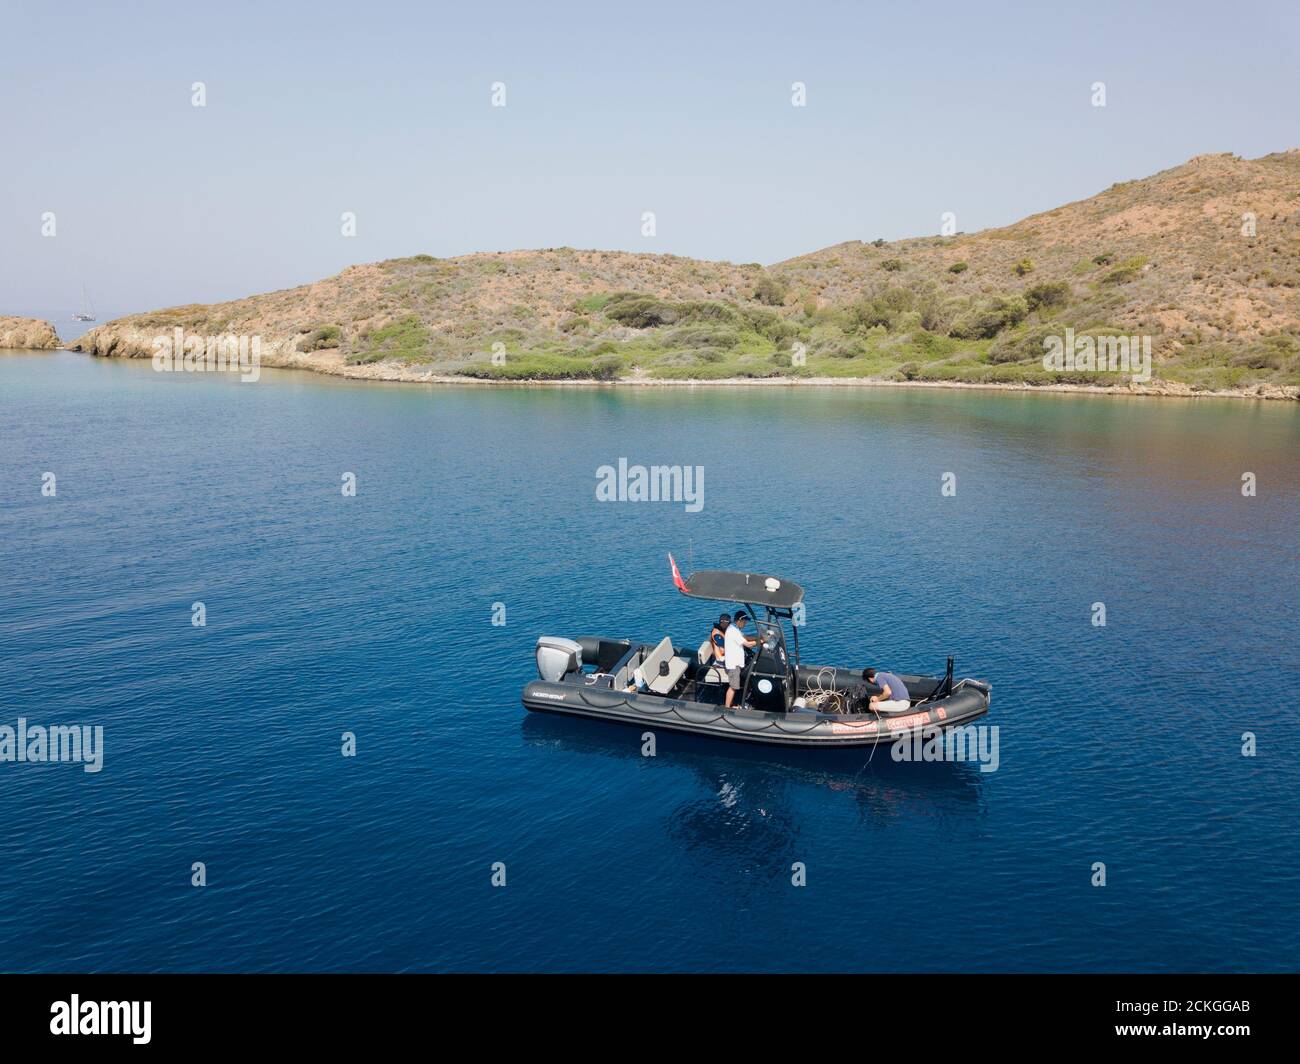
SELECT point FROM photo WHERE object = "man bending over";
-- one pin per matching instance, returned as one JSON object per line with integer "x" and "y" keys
{"x": 893, "y": 697}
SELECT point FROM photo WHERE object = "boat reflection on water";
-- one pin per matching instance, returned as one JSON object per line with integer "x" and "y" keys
{"x": 753, "y": 805}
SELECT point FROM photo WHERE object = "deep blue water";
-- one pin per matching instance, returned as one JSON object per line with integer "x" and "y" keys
{"x": 372, "y": 614}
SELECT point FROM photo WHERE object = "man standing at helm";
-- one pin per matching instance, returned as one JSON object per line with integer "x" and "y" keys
{"x": 733, "y": 656}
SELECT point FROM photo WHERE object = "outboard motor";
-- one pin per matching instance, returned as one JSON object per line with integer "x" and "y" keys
{"x": 556, "y": 657}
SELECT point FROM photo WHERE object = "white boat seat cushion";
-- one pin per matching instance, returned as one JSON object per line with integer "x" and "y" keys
{"x": 713, "y": 672}
{"x": 650, "y": 668}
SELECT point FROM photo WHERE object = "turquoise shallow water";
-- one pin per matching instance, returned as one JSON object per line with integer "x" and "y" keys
{"x": 373, "y": 614}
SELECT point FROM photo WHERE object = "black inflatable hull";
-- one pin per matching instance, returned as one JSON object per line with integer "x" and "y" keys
{"x": 968, "y": 701}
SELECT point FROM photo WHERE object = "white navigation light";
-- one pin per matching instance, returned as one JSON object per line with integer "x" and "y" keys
{"x": 771, "y": 583}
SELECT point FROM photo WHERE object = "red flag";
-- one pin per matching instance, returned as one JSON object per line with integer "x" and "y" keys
{"x": 678, "y": 582}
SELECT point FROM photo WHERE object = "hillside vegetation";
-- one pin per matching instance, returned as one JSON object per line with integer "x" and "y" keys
{"x": 1173, "y": 257}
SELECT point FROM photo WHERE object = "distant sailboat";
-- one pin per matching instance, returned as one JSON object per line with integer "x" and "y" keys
{"x": 87, "y": 308}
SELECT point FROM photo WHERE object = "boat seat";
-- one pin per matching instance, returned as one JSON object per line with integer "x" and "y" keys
{"x": 650, "y": 668}
{"x": 624, "y": 675}
{"x": 710, "y": 670}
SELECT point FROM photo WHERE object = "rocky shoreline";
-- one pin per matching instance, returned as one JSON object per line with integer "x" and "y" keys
{"x": 29, "y": 334}
{"x": 108, "y": 341}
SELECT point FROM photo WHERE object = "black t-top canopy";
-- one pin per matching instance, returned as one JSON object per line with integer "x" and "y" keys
{"x": 753, "y": 588}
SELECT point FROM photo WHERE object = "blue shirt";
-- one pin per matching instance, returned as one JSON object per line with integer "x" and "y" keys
{"x": 897, "y": 689}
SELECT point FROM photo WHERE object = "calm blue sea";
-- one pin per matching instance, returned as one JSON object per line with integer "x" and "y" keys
{"x": 326, "y": 614}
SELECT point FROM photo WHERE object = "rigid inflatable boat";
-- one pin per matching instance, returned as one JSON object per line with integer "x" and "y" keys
{"x": 781, "y": 700}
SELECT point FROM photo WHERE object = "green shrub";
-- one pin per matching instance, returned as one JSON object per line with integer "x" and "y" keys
{"x": 1126, "y": 271}
{"x": 771, "y": 291}
{"x": 704, "y": 310}
{"x": 607, "y": 368}
{"x": 641, "y": 312}
{"x": 933, "y": 346}
{"x": 1020, "y": 345}
{"x": 534, "y": 366}
{"x": 1269, "y": 352}
{"x": 405, "y": 339}
{"x": 1104, "y": 259}
{"x": 989, "y": 318}
{"x": 882, "y": 309}
{"x": 321, "y": 338}
{"x": 939, "y": 312}
{"x": 1047, "y": 294}
{"x": 1023, "y": 267}
{"x": 840, "y": 347}
{"x": 892, "y": 265}
{"x": 591, "y": 304}
{"x": 769, "y": 324}
{"x": 1258, "y": 358}
{"x": 959, "y": 267}
{"x": 701, "y": 336}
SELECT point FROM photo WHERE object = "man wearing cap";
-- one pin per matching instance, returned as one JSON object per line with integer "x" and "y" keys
{"x": 733, "y": 656}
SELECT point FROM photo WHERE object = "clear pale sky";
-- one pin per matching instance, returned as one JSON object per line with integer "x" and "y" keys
{"x": 684, "y": 109}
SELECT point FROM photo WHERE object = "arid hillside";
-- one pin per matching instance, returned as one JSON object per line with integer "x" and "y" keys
{"x": 1203, "y": 261}
{"x": 1173, "y": 254}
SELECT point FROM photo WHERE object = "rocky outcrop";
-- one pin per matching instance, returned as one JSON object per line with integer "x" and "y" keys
{"x": 131, "y": 338}
{"x": 29, "y": 334}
